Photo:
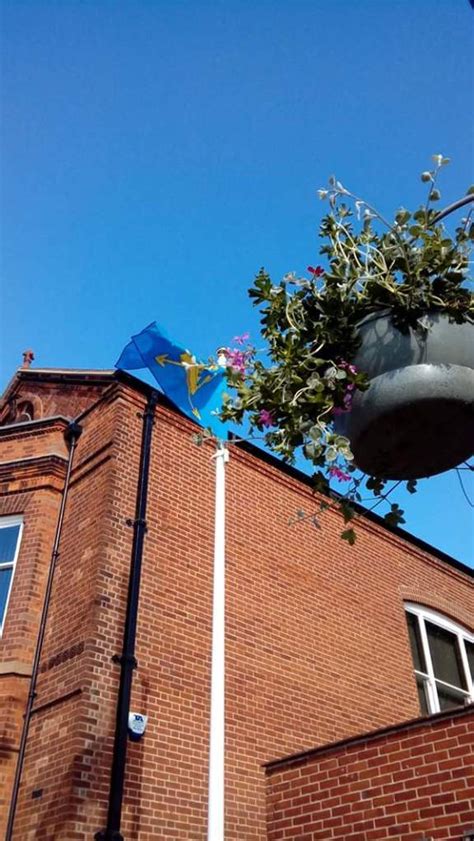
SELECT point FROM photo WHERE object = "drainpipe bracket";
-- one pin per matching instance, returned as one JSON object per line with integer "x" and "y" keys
{"x": 124, "y": 659}
{"x": 132, "y": 523}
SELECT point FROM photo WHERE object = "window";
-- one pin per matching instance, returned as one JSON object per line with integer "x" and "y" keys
{"x": 10, "y": 536}
{"x": 443, "y": 657}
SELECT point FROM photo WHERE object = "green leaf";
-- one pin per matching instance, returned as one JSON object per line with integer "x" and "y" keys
{"x": 349, "y": 535}
{"x": 313, "y": 380}
{"x": 375, "y": 484}
{"x": 402, "y": 216}
{"x": 347, "y": 510}
{"x": 331, "y": 454}
{"x": 346, "y": 452}
{"x": 309, "y": 451}
{"x": 395, "y": 515}
{"x": 315, "y": 433}
{"x": 320, "y": 483}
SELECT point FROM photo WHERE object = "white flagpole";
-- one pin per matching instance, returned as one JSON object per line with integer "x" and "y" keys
{"x": 215, "y": 827}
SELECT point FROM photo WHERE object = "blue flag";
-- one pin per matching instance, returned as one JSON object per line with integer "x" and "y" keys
{"x": 193, "y": 387}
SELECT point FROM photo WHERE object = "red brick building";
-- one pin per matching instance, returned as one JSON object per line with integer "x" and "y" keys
{"x": 335, "y": 655}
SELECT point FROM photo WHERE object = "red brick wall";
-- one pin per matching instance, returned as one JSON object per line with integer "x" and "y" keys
{"x": 316, "y": 642}
{"x": 34, "y": 493}
{"x": 415, "y": 782}
{"x": 49, "y": 397}
{"x": 77, "y": 685}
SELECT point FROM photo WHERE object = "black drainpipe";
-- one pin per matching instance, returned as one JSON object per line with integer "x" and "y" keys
{"x": 72, "y": 434}
{"x": 127, "y": 659}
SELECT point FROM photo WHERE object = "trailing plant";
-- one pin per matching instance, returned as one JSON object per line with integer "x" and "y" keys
{"x": 291, "y": 390}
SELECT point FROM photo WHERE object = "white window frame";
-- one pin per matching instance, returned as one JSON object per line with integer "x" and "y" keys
{"x": 7, "y": 522}
{"x": 423, "y": 615}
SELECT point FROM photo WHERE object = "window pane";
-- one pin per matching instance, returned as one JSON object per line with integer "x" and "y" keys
{"x": 5, "y": 578}
{"x": 8, "y": 540}
{"x": 445, "y": 655}
{"x": 470, "y": 656}
{"x": 449, "y": 698}
{"x": 420, "y": 684}
{"x": 415, "y": 642}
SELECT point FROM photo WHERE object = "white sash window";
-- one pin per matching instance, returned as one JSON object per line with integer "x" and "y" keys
{"x": 443, "y": 657}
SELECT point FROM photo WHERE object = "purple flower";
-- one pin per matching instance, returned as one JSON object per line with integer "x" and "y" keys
{"x": 347, "y": 401}
{"x": 265, "y": 418}
{"x": 237, "y": 360}
{"x": 241, "y": 340}
{"x": 349, "y": 389}
{"x": 351, "y": 368}
{"x": 336, "y": 473}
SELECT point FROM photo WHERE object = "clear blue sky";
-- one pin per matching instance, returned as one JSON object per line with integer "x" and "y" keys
{"x": 156, "y": 153}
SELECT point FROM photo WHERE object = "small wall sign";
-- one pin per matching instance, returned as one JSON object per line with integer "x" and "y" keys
{"x": 136, "y": 725}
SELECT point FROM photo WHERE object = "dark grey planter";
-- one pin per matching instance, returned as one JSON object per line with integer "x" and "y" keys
{"x": 417, "y": 416}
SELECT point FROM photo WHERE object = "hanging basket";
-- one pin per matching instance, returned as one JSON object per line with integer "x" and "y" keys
{"x": 417, "y": 417}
